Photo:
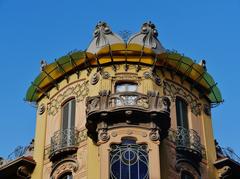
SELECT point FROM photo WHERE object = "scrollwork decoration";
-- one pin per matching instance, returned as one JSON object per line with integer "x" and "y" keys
{"x": 173, "y": 90}
{"x": 41, "y": 109}
{"x": 153, "y": 76}
{"x": 105, "y": 75}
{"x": 63, "y": 166}
{"x": 79, "y": 91}
{"x": 95, "y": 78}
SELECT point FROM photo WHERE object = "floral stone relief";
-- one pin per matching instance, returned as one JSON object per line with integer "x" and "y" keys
{"x": 173, "y": 90}
{"x": 79, "y": 91}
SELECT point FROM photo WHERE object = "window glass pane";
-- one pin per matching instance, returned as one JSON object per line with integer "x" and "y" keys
{"x": 65, "y": 116}
{"x": 122, "y": 87}
{"x": 182, "y": 113}
{"x": 129, "y": 160}
{"x": 126, "y": 99}
{"x": 68, "y": 115}
{"x": 131, "y": 87}
{"x": 73, "y": 108}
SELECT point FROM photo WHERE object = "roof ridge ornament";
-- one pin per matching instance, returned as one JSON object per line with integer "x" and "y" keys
{"x": 101, "y": 30}
{"x": 102, "y": 37}
{"x": 151, "y": 34}
{"x": 147, "y": 37}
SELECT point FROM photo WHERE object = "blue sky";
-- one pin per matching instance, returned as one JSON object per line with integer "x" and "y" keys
{"x": 34, "y": 30}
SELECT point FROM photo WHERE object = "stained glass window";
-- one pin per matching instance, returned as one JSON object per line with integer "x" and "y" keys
{"x": 129, "y": 160}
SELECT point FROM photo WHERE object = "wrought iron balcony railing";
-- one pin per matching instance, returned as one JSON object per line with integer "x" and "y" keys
{"x": 188, "y": 143}
{"x": 64, "y": 141}
{"x": 106, "y": 102}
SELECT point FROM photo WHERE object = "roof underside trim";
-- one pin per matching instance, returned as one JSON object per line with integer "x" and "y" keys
{"x": 75, "y": 62}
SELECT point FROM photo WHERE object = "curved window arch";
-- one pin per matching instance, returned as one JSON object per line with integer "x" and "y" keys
{"x": 129, "y": 160}
{"x": 67, "y": 175}
{"x": 182, "y": 112}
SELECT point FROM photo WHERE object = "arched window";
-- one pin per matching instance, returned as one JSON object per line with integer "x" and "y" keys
{"x": 182, "y": 113}
{"x": 186, "y": 175}
{"x": 129, "y": 160}
{"x": 68, "y": 132}
{"x": 67, "y": 175}
{"x": 68, "y": 114}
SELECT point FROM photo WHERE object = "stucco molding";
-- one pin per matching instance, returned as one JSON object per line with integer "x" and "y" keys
{"x": 185, "y": 166}
{"x": 173, "y": 90}
{"x": 63, "y": 166}
{"x": 153, "y": 76}
{"x": 126, "y": 77}
{"x": 79, "y": 91}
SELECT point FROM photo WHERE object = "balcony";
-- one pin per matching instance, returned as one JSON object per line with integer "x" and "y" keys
{"x": 128, "y": 108}
{"x": 63, "y": 142}
{"x": 188, "y": 145}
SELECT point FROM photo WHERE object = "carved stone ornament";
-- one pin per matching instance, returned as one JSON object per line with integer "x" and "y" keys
{"x": 79, "y": 91}
{"x": 95, "y": 78}
{"x": 105, "y": 75}
{"x": 153, "y": 76}
{"x": 184, "y": 166}
{"x": 224, "y": 172}
{"x": 82, "y": 136}
{"x": 61, "y": 167}
{"x": 147, "y": 75}
{"x": 151, "y": 33}
{"x": 173, "y": 90}
{"x": 158, "y": 81}
{"x": 103, "y": 36}
{"x": 207, "y": 109}
{"x": 24, "y": 172}
{"x": 126, "y": 77}
{"x": 103, "y": 135}
{"x": 154, "y": 135}
{"x": 147, "y": 38}
{"x": 41, "y": 109}
{"x": 101, "y": 30}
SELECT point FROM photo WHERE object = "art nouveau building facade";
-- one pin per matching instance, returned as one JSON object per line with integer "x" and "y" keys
{"x": 124, "y": 110}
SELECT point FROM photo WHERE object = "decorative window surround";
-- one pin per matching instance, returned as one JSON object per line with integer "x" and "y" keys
{"x": 142, "y": 137}
{"x": 79, "y": 91}
{"x": 173, "y": 90}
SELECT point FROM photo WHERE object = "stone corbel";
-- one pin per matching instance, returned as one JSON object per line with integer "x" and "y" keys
{"x": 154, "y": 134}
{"x": 103, "y": 135}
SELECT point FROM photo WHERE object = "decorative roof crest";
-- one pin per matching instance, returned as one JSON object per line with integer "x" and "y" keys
{"x": 147, "y": 38}
{"x": 150, "y": 31}
{"x": 101, "y": 30}
{"x": 103, "y": 36}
